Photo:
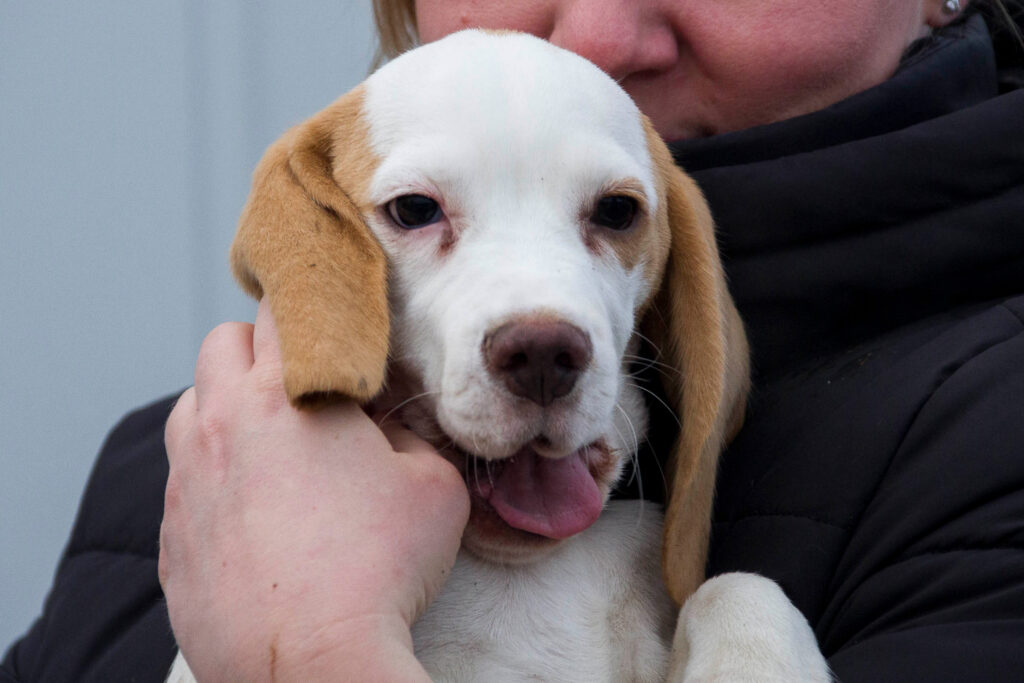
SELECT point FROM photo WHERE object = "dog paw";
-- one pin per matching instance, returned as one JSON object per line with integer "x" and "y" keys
{"x": 741, "y": 627}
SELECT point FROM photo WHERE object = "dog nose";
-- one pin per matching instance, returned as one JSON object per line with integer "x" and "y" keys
{"x": 537, "y": 360}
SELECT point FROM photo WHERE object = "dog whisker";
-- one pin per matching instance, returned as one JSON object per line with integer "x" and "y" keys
{"x": 623, "y": 440}
{"x": 629, "y": 423}
{"x": 651, "y": 363}
{"x": 404, "y": 403}
{"x": 661, "y": 318}
{"x": 640, "y": 374}
{"x": 650, "y": 342}
{"x": 476, "y": 472}
{"x": 661, "y": 401}
{"x": 634, "y": 459}
{"x": 661, "y": 472}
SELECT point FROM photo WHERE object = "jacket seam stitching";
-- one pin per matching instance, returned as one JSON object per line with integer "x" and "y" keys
{"x": 899, "y": 446}
{"x": 917, "y": 414}
{"x": 926, "y": 555}
{"x": 1018, "y": 316}
{"x": 948, "y": 551}
{"x": 758, "y": 515}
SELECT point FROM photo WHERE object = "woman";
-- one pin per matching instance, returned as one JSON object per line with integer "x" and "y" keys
{"x": 865, "y": 164}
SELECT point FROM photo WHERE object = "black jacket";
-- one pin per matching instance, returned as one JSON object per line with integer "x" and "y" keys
{"x": 876, "y": 251}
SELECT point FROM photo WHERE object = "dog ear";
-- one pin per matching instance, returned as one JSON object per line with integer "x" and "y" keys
{"x": 302, "y": 242}
{"x": 698, "y": 331}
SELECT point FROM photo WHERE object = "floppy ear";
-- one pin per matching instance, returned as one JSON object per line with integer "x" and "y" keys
{"x": 302, "y": 242}
{"x": 698, "y": 330}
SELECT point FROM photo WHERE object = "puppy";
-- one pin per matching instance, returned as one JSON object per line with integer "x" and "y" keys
{"x": 474, "y": 238}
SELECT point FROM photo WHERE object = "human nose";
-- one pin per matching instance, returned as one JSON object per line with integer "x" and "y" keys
{"x": 622, "y": 37}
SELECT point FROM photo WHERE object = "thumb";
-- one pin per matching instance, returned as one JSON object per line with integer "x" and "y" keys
{"x": 404, "y": 440}
{"x": 265, "y": 345}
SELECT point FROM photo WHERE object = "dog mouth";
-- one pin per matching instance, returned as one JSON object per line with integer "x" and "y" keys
{"x": 554, "y": 498}
{"x": 525, "y": 502}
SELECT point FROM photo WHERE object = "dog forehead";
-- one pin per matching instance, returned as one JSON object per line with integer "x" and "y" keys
{"x": 504, "y": 94}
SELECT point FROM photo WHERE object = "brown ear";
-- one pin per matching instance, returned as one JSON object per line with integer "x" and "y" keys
{"x": 302, "y": 242}
{"x": 698, "y": 330}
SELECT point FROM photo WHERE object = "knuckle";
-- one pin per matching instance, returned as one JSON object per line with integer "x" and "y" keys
{"x": 172, "y": 494}
{"x": 268, "y": 385}
{"x": 162, "y": 570}
{"x": 178, "y": 420}
{"x": 165, "y": 565}
{"x": 443, "y": 482}
{"x": 268, "y": 378}
{"x": 222, "y": 334}
{"x": 211, "y": 432}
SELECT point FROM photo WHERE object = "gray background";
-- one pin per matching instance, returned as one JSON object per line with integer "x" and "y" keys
{"x": 128, "y": 133}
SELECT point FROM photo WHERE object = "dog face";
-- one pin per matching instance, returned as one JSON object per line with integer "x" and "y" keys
{"x": 496, "y": 213}
{"x": 519, "y": 220}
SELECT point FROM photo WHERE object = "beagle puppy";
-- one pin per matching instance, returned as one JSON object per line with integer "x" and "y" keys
{"x": 477, "y": 237}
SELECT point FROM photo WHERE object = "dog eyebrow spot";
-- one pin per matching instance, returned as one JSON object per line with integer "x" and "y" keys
{"x": 447, "y": 243}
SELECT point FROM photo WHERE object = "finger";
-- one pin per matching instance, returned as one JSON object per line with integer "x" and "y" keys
{"x": 163, "y": 558}
{"x": 225, "y": 355}
{"x": 179, "y": 422}
{"x": 170, "y": 556}
{"x": 404, "y": 440}
{"x": 265, "y": 344}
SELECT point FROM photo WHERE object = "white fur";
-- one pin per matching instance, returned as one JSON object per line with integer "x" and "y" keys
{"x": 593, "y": 610}
{"x": 742, "y": 628}
{"x": 514, "y": 161}
{"x": 516, "y": 139}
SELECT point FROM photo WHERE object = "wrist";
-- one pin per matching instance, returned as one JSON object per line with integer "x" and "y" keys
{"x": 372, "y": 648}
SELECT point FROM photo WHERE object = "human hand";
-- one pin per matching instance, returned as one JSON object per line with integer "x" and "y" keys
{"x": 296, "y": 545}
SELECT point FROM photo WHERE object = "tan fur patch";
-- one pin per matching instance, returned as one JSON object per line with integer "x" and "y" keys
{"x": 694, "y": 323}
{"x": 302, "y": 242}
{"x": 646, "y": 243}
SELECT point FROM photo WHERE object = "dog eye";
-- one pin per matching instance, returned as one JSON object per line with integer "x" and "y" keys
{"x": 615, "y": 212}
{"x": 412, "y": 211}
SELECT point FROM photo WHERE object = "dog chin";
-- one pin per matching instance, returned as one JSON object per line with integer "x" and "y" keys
{"x": 488, "y": 537}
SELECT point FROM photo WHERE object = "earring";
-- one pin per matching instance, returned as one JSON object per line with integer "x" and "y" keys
{"x": 951, "y": 7}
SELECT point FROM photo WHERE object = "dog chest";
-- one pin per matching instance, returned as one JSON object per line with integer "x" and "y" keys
{"x": 594, "y": 610}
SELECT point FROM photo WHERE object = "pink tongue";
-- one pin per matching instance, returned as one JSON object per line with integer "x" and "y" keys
{"x": 553, "y": 498}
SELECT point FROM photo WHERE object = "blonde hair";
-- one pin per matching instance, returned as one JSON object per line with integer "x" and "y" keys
{"x": 396, "y": 28}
